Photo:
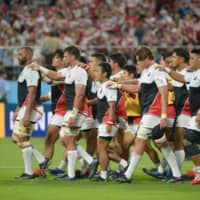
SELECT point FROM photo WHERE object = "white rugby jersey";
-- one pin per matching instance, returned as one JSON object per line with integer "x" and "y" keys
{"x": 74, "y": 76}
{"x": 150, "y": 99}
{"x": 104, "y": 96}
{"x": 28, "y": 78}
{"x": 193, "y": 79}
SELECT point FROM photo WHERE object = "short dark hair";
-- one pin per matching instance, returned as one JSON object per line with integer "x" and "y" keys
{"x": 28, "y": 49}
{"x": 83, "y": 59}
{"x": 119, "y": 58}
{"x": 105, "y": 67}
{"x": 131, "y": 69}
{"x": 100, "y": 56}
{"x": 195, "y": 51}
{"x": 166, "y": 54}
{"x": 73, "y": 50}
{"x": 59, "y": 53}
{"x": 182, "y": 53}
{"x": 144, "y": 52}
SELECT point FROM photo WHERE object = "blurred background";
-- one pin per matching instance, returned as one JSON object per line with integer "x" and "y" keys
{"x": 105, "y": 26}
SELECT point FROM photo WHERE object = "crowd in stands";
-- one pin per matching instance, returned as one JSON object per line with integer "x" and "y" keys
{"x": 97, "y": 23}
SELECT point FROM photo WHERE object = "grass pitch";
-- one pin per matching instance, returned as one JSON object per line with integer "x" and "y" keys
{"x": 142, "y": 187}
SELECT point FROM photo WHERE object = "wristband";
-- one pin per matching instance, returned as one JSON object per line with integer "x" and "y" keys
{"x": 74, "y": 112}
{"x": 163, "y": 116}
{"x": 168, "y": 70}
{"x": 43, "y": 70}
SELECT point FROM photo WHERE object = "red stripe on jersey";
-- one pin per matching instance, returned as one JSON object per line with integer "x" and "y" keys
{"x": 136, "y": 120}
{"x": 61, "y": 105}
{"x": 84, "y": 107}
{"x": 121, "y": 109}
{"x": 186, "y": 107}
{"x": 171, "y": 111}
{"x": 155, "y": 107}
{"x": 107, "y": 119}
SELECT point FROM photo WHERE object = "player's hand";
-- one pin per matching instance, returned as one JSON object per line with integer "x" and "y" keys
{"x": 108, "y": 128}
{"x": 14, "y": 116}
{"x": 112, "y": 85}
{"x": 163, "y": 68}
{"x": 26, "y": 122}
{"x": 163, "y": 123}
{"x": 34, "y": 66}
{"x": 71, "y": 122}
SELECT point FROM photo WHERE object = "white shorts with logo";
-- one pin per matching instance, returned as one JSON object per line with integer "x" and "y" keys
{"x": 148, "y": 122}
{"x": 57, "y": 120}
{"x": 183, "y": 120}
{"x": 35, "y": 116}
{"x": 65, "y": 131}
{"x": 102, "y": 132}
{"x": 89, "y": 123}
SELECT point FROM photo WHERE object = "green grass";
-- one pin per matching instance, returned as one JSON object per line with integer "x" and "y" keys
{"x": 142, "y": 187}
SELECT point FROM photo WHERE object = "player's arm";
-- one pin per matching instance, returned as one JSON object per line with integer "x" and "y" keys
{"x": 45, "y": 98}
{"x": 30, "y": 104}
{"x": 78, "y": 100}
{"x": 80, "y": 89}
{"x": 162, "y": 85}
{"x": 93, "y": 101}
{"x": 49, "y": 73}
{"x": 175, "y": 75}
{"x": 130, "y": 88}
{"x": 163, "y": 90}
{"x": 112, "y": 113}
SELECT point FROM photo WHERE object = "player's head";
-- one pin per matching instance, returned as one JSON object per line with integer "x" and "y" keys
{"x": 57, "y": 60}
{"x": 180, "y": 56}
{"x": 144, "y": 57}
{"x": 194, "y": 59}
{"x": 130, "y": 72}
{"x": 96, "y": 58}
{"x": 117, "y": 61}
{"x": 25, "y": 55}
{"x": 103, "y": 72}
{"x": 166, "y": 59}
{"x": 71, "y": 54}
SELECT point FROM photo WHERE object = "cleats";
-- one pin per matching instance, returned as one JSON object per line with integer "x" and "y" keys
{"x": 154, "y": 173}
{"x": 93, "y": 168}
{"x": 175, "y": 180}
{"x": 56, "y": 171}
{"x": 25, "y": 176}
{"x": 65, "y": 177}
{"x": 123, "y": 179}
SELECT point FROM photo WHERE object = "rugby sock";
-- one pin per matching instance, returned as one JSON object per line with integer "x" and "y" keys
{"x": 180, "y": 157}
{"x": 72, "y": 157}
{"x": 62, "y": 165}
{"x": 123, "y": 163}
{"x": 132, "y": 166}
{"x": 171, "y": 160}
{"x": 157, "y": 165}
{"x": 81, "y": 152}
{"x": 103, "y": 174}
{"x": 162, "y": 166}
{"x": 27, "y": 153}
{"x": 38, "y": 156}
